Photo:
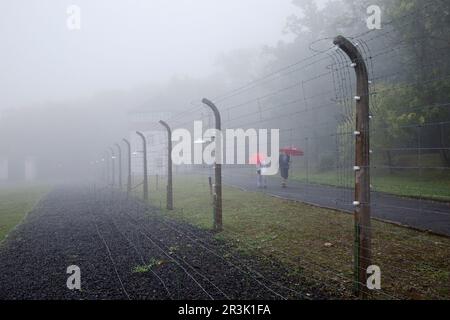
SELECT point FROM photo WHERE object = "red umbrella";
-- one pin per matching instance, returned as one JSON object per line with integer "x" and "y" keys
{"x": 257, "y": 158}
{"x": 292, "y": 151}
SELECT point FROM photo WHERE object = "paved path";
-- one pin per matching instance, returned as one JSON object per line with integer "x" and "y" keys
{"x": 421, "y": 214}
{"x": 127, "y": 250}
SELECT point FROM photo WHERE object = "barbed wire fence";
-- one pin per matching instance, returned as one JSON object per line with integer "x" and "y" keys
{"x": 313, "y": 103}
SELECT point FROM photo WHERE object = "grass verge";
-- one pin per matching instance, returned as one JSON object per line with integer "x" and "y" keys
{"x": 316, "y": 243}
{"x": 427, "y": 185}
{"x": 15, "y": 203}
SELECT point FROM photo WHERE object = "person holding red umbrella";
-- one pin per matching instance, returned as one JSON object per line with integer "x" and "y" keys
{"x": 261, "y": 167}
{"x": 261, "y": 170}
{"x": 284, "y": 163}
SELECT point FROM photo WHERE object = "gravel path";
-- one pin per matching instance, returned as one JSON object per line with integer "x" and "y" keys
{"x": 108, "y": 236}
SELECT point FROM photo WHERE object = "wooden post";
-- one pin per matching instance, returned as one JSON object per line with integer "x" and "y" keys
{"x": 218, "y": 170}
{"x": 144, "y": 150}
{"x": 362, "y": 166}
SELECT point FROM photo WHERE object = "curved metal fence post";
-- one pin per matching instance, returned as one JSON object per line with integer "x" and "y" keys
{"x": 106, "y": 158}
{"x": 169, "y": 196}
{"x": 129, "y": 165}
{"x": 144, "y": 145}
{"x": 119, "y": 156}
{"x": 113, "y": 169}
{"x": 218, "y": 171}
{"x": 362, "y": 166}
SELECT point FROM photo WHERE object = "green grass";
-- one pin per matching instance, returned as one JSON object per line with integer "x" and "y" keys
{"x": 15, "y": 203}
{"x": 428, "y": 185}
{"x": 148, "y": 267}
{"x": 315, "y": 242}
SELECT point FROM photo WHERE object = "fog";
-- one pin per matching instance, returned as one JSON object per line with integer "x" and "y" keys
{"x": 314, "y": 133}
{"x": 65, "y": 94}
{"x": 123, "y": 44}
{"x": 78, "y": 77}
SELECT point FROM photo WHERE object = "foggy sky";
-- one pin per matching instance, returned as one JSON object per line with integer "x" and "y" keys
{"x": 123, "y": 44}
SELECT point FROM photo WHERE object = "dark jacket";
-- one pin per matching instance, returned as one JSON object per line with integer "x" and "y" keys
{"x": 284, "y": 161}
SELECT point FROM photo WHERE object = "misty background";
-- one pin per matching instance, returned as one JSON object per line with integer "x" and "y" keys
{"x": 65, "y": 95}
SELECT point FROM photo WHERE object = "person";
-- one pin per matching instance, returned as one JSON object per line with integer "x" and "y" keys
{"x": 261, "y": 171}
{"x": 284, "y": 161}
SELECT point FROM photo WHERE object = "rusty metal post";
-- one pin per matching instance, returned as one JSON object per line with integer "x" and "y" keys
{"x": 144, "y": 146}
{"x": 113, "y": 168}
{"x": 169, "y": 196}
{"x": 129, "y": 165}
{"x": 218, "y": 170}
{"x": 119, "y": 155}
{"x": 362, "y": 166}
